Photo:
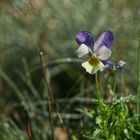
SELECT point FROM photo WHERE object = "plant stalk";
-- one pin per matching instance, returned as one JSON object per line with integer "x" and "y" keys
{"x": 28, "y": 126}
{"x": 45, "y": 75}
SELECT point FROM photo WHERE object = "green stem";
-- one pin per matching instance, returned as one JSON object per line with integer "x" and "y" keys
{"x": 114, "y": 85}
{"x": 113, "y": 92}
{"x": 97, "y": 87}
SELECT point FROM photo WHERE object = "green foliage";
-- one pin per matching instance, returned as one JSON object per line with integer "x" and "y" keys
{"x": 11, "y": 131}
{"x": 112, "y": 121}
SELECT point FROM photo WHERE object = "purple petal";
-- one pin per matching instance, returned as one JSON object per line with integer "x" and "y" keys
{"x": 85, "y": 37}
{"x": 107, "y": 62}
{"x": 120, "y": 64}
{"x": 105, "y": 38}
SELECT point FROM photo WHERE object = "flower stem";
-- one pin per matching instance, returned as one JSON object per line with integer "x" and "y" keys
{"x": 97, "y": 86}
{"x": 97, "y": 92}
{"x": 114, "y": 85}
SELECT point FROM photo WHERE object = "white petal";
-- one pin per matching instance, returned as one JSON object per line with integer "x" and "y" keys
{"x": 92, "y": 70}
{"x": 87, "y": 66}
{"x": 83, "y": 50}
{"x": 120, "y": 64}
{"x": 103, "y": 53}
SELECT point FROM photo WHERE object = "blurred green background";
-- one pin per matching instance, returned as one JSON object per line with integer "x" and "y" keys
{"x": 25, "y": 25}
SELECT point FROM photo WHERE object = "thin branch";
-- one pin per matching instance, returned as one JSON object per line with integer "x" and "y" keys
{"x": 28, "y": 126}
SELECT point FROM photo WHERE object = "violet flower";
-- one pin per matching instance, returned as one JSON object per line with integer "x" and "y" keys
{"x": 117, "y": 65}
{"x": 97, "y": 52}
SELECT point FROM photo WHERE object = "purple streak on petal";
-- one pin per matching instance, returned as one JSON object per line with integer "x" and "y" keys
{"x": 105, "y": 38}
{"x": 85, "y": 37}
{"x": 107, "y": 62}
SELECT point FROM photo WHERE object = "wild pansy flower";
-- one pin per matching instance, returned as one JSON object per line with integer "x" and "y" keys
{"x": 117, "y": 65}
{"x": 97, "y": 51}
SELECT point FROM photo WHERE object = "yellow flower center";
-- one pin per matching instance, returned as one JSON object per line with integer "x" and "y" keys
{"x": 94, "y": 61}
